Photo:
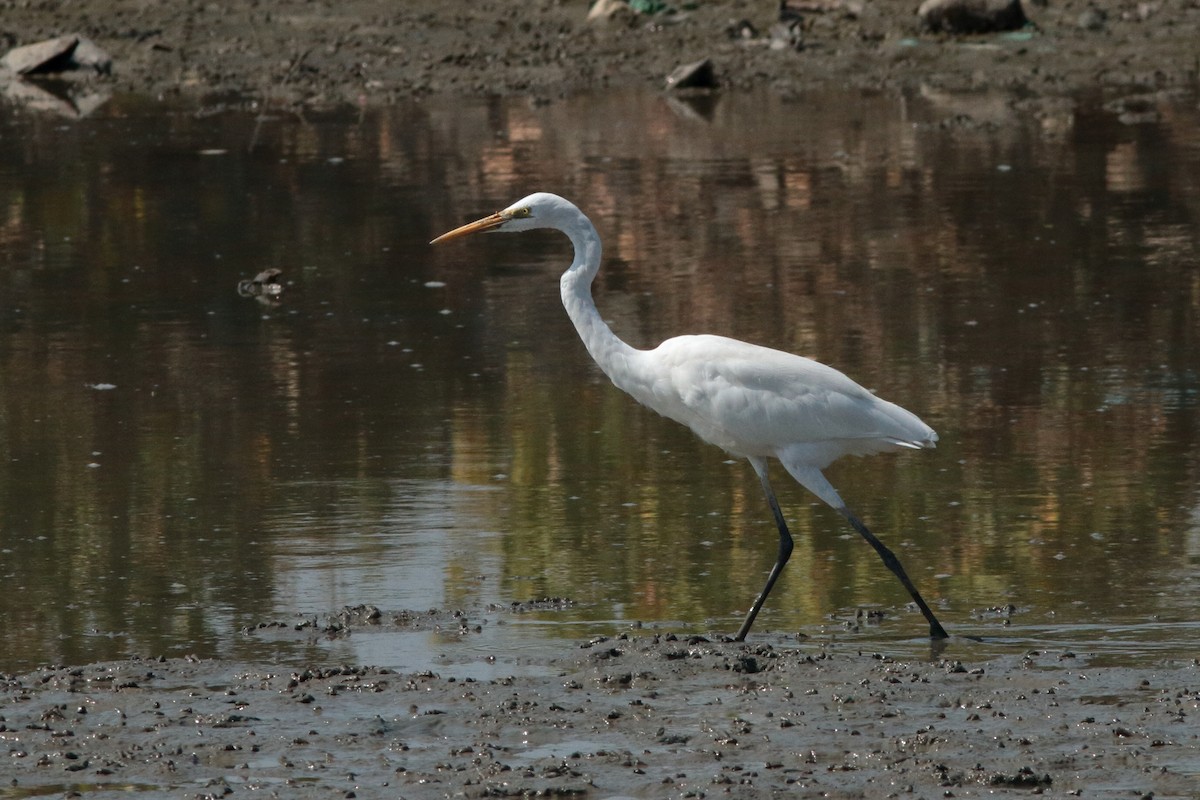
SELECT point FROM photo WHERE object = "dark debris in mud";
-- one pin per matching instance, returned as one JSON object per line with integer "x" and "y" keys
{"x": 538, "y": 604}
{"x": 350, "y": 618}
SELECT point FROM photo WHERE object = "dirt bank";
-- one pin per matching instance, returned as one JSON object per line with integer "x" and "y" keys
{"x": 645, "y": 716}
{"x": 371, "y": 51}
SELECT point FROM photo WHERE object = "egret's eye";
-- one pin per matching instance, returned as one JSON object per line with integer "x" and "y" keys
{"x": 520, "y": 213}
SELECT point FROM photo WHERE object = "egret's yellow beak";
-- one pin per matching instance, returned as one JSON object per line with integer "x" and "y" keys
{"x": 485, "y": 224}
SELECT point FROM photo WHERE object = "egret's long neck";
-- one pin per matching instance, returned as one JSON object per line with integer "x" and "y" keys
{"x": 609, "y": 352}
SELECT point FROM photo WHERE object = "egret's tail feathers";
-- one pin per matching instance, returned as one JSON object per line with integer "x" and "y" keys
{"x": 921, "y": 444}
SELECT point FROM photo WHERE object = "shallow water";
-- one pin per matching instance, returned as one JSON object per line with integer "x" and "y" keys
{"x": 416, "y": 427}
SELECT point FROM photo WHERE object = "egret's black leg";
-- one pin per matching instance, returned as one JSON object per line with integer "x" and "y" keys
{"x": 785, "y": 549}
{"x": 936, "y": 631}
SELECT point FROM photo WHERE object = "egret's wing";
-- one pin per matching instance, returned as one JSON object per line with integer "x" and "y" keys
{"x": 753, "y": 400}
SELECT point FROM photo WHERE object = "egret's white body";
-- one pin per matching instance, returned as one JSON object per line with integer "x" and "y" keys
{"x": 752, "y": 401}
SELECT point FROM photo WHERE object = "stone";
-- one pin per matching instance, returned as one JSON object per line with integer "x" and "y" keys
{"x": 1091, "y": 19}
{"x": 696, "y": 75}
{"x": 603, "y": 11}
{"x": 972, "y": 16}
{"x": 60, "y": 54}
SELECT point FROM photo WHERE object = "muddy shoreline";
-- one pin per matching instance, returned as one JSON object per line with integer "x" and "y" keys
{"x": 365, "y": 52}
{"x": 638, "y": 715}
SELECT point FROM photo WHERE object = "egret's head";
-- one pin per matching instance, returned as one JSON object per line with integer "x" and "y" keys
{"x": 538, "y": 210}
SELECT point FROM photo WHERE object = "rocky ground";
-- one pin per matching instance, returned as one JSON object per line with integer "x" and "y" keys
{"x": 651, "y": 715}
{"x": 373, "y": 51}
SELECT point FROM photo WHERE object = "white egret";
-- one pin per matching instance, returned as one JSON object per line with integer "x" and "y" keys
{"x": 752, "y": 401}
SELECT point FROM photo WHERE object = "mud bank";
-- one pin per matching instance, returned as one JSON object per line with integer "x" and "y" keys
{"x": 369, "y": 51}
{"x": 638, "y": 716}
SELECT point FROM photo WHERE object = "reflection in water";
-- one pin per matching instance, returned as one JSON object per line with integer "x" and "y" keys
{"x": 416, "y": 428}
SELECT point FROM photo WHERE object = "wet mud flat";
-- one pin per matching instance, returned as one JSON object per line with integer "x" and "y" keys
{"x": 638, "y": 715}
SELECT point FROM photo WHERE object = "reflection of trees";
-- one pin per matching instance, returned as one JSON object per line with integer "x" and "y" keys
{"x": 1027, "y": 288}
{"x": 1042, "y": 317}
{"x": 133, "y": 517}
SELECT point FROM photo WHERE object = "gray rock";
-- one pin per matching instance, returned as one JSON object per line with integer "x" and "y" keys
{"x": 972, "y": 16}
{"x": 51, "y": 55}
{"x": 697, "y": 75}
{"x": 787, "y": 35}
{"x": 606, "y": 11}
{"x": 60, "y": 54}
{"x": 89, "y": 55}
{"x": 1091, "y": 19}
